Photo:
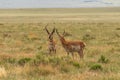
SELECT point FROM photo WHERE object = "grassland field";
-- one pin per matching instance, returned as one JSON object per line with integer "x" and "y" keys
{"x": 24, "y": 43}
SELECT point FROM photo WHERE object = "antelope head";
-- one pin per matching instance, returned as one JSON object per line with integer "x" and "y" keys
{"x": 62, "y": 39}
{"x": 50, "y": 35}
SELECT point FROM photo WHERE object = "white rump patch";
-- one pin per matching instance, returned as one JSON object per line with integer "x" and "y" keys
{"x": 75, "y": 48}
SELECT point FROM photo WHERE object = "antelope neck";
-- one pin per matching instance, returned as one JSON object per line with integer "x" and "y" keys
{"x": 63, "y": 41}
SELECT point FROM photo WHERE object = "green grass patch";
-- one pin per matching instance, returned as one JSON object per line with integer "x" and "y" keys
{"x": 23, "y": 61}
{"x": 103, "y": 59}
{"x": 96, "y": 67}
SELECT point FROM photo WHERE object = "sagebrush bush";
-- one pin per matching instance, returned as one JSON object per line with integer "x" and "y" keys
{"x": 96, "y": 67}
{"x": 23, "y": 61}
{"x": 75, "y": 64}
{"x": 103, "y": 59}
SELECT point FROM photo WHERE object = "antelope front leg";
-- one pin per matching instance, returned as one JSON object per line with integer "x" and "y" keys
{"x": 81, "y": 53}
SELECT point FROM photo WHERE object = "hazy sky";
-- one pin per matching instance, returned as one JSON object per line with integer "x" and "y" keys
{"x": 57, "y": 3}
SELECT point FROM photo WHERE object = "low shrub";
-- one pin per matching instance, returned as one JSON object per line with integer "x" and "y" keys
{"x": 103, "y": 59}
{"x": 75, "y": 64}
{"x": 96, "y": 67}
{"x": 24, "y": 60}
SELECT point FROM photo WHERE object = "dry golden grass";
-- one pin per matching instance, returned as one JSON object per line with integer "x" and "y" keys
{"x": 3, "y": 72}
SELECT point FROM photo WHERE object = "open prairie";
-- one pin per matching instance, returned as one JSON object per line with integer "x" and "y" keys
{"x": 24, "y": 44}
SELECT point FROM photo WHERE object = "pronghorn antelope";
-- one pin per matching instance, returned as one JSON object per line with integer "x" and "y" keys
{"x": 72, "y": 46}
{"x": 51, "y": 46}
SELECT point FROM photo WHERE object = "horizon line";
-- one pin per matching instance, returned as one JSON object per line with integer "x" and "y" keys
{"x": 64, "y": 7}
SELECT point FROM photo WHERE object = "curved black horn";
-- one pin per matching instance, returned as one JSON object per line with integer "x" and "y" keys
{"x": 47, "y": 29}
{"x": 58, "y": 33}
{"x": 52, "y": 32}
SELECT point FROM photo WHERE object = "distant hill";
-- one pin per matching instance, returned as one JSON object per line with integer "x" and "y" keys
{"x": 62, "y": 10}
